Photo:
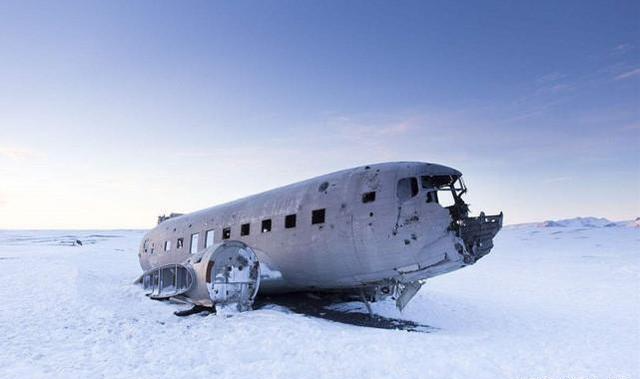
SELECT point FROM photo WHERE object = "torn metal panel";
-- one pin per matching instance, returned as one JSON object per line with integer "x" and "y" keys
{"x": 407, "y": 293}
{"x": 234, "y": 277}
{"x": 167, "y": 281}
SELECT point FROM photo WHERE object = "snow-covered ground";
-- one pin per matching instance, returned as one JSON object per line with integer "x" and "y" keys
{"x": 550, "y": 301}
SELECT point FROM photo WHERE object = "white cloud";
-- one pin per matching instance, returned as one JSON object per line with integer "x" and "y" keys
{"x": 17, "y": 154}
{"x": 373, "y": 128}
{"x": 628, "y": 74}
{"x": 622, "y": 48}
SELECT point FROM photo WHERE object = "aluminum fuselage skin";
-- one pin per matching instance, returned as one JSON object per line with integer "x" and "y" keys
{"x": 358, "y": 243}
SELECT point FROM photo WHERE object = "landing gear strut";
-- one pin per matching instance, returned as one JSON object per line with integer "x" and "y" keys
{"x": 366, "y": 303}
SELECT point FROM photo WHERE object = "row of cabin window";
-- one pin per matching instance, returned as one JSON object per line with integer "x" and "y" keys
{"x": 317, "y": 217}
{"x": 406, "y": 189}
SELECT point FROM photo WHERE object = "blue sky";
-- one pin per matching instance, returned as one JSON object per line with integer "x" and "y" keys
{"x": 113, "y": 112}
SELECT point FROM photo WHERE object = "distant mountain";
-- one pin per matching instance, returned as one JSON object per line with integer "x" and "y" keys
{"x": 581, "y": 222}
{"x": 584, "y": 222}
{"x": 550, "y": 224}
{"x": 633, "y": 223}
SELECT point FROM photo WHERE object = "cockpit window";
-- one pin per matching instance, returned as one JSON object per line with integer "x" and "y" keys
{"x": 407, "y": 188}
{"x": 429, "y": 186}
{"x": 442, "y": 189}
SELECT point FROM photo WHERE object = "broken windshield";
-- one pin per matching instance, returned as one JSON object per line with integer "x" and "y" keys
{"x": 442, "y": 189}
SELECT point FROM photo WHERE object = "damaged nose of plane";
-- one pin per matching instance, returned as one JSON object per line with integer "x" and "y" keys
{"x": 477, "y": 234}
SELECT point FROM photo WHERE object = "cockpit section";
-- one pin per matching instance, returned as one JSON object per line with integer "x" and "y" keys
{"x": 447, "y": 191}
{"x": 442, "y": 189}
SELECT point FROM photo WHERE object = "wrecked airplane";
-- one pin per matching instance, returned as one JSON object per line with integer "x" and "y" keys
{"x": 374, "y": 232}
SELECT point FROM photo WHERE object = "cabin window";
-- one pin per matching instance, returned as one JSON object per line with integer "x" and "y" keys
{"x": 317, "y": 216}
{"x": 407, "y": 188}
{"x": 167, "y": 245}
{"x": 245, "y": 229}
{"x": 266, "y": 225}
{"x": 226, "y": 233}
{"x": 208, "y": 240}
{"x": 290, "y": 221}
{"x": 369, "y": 197}
{"x": 194, "y": 243}
{"x": 180, "y": 243}
{"x": 146, "y": 245}
{"x": 153, "y": 247}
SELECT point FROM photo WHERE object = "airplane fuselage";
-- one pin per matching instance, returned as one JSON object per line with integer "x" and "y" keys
{"x": 348, "y": 229}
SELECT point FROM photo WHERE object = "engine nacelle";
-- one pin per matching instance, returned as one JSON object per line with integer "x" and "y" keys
{"x": 234, "y": 276}
{"x": 225, "y": 275}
